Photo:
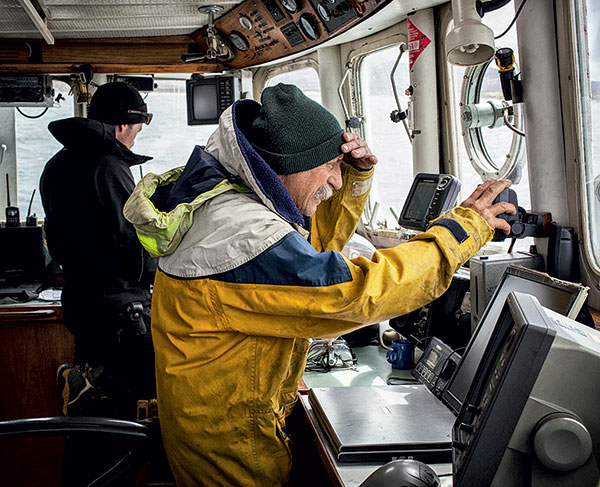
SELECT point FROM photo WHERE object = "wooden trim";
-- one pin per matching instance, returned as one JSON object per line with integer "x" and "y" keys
{"x": 312, "y": 429}
{"x": 60, "y": 68}
{"x": 30, "y": 312}
{"x": 28, "y": 315}
{"x": 107, "y": 56}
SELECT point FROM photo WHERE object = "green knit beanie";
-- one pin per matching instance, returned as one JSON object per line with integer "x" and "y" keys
{"x": 294, "y": 133}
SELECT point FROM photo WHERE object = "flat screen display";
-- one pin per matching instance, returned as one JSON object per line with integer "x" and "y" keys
{"x": 21, "y": 251}
{"x": 429, "y": 196}
{"x": 421, "y": 198}
{"x": 511, "y": 363}
{"x": 553, "y": 294}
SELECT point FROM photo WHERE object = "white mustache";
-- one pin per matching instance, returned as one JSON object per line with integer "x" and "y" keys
{"x": 324, "y": 192}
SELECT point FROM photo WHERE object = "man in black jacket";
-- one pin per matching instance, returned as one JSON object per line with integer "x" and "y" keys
{"x": 107, "y": 273}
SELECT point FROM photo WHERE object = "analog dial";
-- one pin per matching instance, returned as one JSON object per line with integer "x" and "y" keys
{"x": 290, "y": 5}
{"x": 309, "y": 26}
{"x": 246, "y": 23}
{"x": 239, "y": 41}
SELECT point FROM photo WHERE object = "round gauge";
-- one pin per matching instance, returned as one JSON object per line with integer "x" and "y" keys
{"x": 246, "y": 23}
{"x": 239, "y": 41}
{"x": 309, "y": 26}
{"x": 290, "y": 5}
{"x": 323, "y": 12}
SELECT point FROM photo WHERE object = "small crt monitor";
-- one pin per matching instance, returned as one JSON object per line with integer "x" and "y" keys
{"x": 429, "y": 196}
{"x": 208, "y": 98}
{"x": 531, "y": 414}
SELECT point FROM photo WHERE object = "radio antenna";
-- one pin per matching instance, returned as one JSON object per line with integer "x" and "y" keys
{"x": 30, "y": 202}
{"x": 7, "y": 191}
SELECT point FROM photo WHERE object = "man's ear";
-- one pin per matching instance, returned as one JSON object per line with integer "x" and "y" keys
{"x": 119, "y": 129}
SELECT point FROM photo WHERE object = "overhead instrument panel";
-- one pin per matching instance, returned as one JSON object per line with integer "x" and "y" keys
{"x": 265, "y": 30}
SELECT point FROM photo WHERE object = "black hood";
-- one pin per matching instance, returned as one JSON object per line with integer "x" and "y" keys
{"x": 84, "y": 134}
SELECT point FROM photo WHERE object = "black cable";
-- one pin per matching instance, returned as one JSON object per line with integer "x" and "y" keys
{"x": 32, "y": 116}
{"x": 418, "y": 344}
{"x": 512, "y": 244}
{"x": 489, "y": 6}
{"x": 394, "y": 381}
{"x": 513, "y": 20}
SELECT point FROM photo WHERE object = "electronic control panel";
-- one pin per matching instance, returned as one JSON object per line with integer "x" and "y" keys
{"x": 506, "y": 375}
{"x": 260, "y": 31}
{"x": 26, "y": 91}
{"x": 430, "y": 195}
{"x": 436, "y": 366}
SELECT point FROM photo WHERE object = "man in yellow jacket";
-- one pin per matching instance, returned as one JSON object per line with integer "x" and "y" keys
{"x": 250, "y": 234}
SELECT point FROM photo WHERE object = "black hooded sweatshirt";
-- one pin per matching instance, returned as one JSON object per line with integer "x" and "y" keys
{"x": 84, "y": 188}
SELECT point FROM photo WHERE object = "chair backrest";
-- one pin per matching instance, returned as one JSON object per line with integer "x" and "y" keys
{"x": 138, "y": 434}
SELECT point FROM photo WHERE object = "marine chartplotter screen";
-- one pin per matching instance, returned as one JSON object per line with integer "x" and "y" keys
{"x": 421, "y": 199}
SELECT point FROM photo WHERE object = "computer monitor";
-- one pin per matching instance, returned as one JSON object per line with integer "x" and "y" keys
{"x": 561, "y": 296}
{"x": 530, "y": 416}
{"x": 208, "y": 98}
{"x": 22, "y": 253}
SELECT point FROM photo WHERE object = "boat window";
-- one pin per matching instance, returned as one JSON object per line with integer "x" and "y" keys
{"x": 486, "y": 149}
{"x": 588, "y": 45}
{"x": 388, "y": 140}
{"x": 306, "y": 79}
{"x": 35, "y": 145}
{"x": 168, "y": 139}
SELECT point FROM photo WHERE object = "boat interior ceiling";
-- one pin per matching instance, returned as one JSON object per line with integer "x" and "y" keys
{"x": 179, "y": 36}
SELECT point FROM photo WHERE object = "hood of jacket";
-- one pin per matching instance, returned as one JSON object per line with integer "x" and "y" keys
{"x": 162, "y": 206}
{"x": 233, "y": 150}
{"x": 89, "y": 136}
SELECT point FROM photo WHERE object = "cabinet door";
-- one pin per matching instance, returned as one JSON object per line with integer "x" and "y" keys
{"x": 33, "y": 343}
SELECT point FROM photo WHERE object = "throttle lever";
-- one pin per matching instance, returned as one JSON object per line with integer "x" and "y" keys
{"x": 509, "y": 196}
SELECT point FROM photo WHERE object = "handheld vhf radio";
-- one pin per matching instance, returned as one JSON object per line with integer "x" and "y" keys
{"x": 13, "y": 218}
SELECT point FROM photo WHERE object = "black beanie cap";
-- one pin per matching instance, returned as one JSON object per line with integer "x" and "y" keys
{"x": 111, "y": 102}
{"x": 294, "y": 133}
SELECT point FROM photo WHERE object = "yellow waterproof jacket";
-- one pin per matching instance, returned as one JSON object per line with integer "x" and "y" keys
{"x": 236, "y": 301}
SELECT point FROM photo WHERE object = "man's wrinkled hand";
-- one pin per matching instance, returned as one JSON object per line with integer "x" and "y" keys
{"x": 357, "y": 152}
{"x": 481, "y": 202}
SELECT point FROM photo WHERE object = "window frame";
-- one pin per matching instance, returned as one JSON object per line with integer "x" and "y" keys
{"x": 578, "y": 152}
{"x": 262, "y": 76}
{"x": 357, "y": 107}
